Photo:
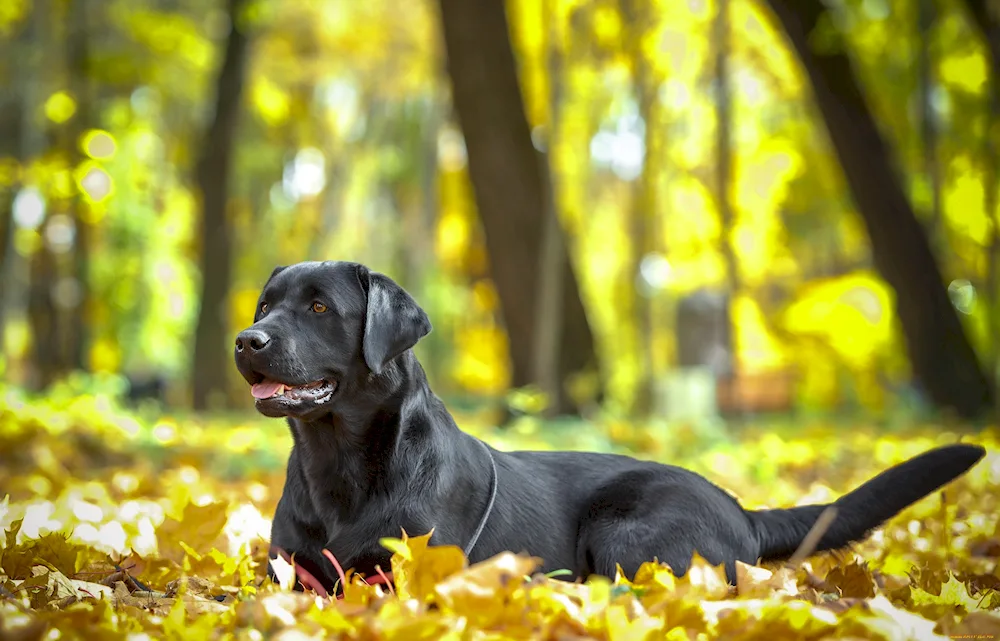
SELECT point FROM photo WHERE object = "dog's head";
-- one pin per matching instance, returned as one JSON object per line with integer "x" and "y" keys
{"x": 321, "y": 328}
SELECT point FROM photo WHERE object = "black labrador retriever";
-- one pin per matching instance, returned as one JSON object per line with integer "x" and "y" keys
{"x": 375, "y": 451}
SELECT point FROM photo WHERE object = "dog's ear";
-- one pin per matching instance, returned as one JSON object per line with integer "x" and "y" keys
{"x": 394, "y": 322}
{"x": 277, "y": 270}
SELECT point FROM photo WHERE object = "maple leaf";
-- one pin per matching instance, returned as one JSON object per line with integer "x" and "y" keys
{"x": 56, "y": 551}
{"x": 417, "y": 567}
{"x": 621, "y": 627}
{"x": 954, "y": 596}
{"x": 402, "y": 621}
{"x": 198, "y": 529}
{"x": 803, "y": 620}
{"x": 758, "y": 582}
{"x": 704, "y": 580}
{"x": 10, "y": 534}
{"x": 979, "y": 624}
{"x": 17, "y": 561}
{"x": 485, "y": 592}
{"x": 853, "y": 580}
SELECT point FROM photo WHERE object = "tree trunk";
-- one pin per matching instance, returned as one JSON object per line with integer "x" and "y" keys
{"x": 508, "y": 177}
{"x": 928, "y": 122}
{"x": 548, "y": 311}
{"x": 11, "y": 105}
{"x": 723, "y": 182}
{"x": 211, "y": 365}
{"x": 11, "y": 124}
{"x": 643, "y": 234}
{"x": 41, "y": 267}
{"x": 941, "y": 356}
{"x": 78, "y": 63}
{"x": 723, "y": 146}
{"x": 43, "y": 320}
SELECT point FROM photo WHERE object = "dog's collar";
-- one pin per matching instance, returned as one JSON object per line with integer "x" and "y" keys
{"x": 489, "y": 506}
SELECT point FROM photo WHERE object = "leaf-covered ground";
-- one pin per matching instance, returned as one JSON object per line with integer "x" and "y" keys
{"x": 125, "y": 527}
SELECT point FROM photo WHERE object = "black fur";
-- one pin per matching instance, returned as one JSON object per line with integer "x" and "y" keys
{"x": 383, "y": 454}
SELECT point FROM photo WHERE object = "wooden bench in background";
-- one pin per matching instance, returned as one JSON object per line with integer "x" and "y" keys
{"x": 756, "y": 392}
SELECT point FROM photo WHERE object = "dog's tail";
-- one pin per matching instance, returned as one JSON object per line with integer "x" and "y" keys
{"x": 780, "y": 532}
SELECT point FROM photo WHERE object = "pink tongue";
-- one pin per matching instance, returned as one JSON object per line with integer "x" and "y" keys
{"x": 267, "y": 389}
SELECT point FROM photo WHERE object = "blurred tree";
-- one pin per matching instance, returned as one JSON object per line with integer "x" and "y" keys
{"x": 210, "y": 367}
{"x": 926, "y": 17}
{"x": 723, "y": 188}
{"x": 985, "y": 15}
{"x": 44, "y": 317}
{"x": 510, "y": 182}
{"x": 77, "y": 308}
{"x": 22, "y": 140}
{"x": 723, "y": 142}
{"x": 349, "y": 151}
{"x": 638, "y": 22}
{"x": 549, "y": 311}
{"x": 411, "y": 187}
{"x": 941, "y": 356}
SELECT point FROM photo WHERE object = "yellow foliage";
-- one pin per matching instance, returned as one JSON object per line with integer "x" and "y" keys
{"x": 482, "y": 355}
{"x": 10, "y": 171}
{"x": 758, "y": 349}
{"x": 758, "y": 236}
{"x": 11, "y": 13}
{"x": 920, "y": 577}
{"x": 168, "y": 33}
{"x": 967, "y": 71}
{"x": 105, "y": 356}
{"x": 95, "y": 183}
{"x": 607, "y": 24}
{"x": 530, "y": 31}
{"x": 27, "y": 241}
{"x": 269, "y": 100}
{"x": 243, "y": 306}
{"x": 417, "y": 568}
{"x": 852, "y": 315}
{"x": 98, "y": 144}
{"x": 484, "y": 296}
{"x": 490, "y": 592}
{"x": 453, "y": 234}
{"x": 696, "y": 224}
{"x": 963, "y": 205}
{"x": 60, "y": 107}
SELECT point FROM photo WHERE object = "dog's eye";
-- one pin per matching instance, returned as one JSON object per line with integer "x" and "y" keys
{"x": 319, "y": 308}
{"x": 263, "y": 308}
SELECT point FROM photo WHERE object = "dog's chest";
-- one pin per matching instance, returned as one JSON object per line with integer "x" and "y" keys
{"x": 356, "y": 539}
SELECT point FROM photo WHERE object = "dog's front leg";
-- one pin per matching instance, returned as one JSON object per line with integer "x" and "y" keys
{"x": 299, "y": 540}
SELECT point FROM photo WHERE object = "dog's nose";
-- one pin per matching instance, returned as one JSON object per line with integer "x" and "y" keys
{"x": 252, "y": 340}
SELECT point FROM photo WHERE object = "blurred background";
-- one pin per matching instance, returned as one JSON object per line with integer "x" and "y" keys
{"x": 667, "y": 210}
{"x": 759, "y": 239}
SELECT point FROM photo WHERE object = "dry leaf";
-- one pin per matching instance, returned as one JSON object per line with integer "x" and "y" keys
{"x": 934, "y": 578}
{"x": 853, "y": 580}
